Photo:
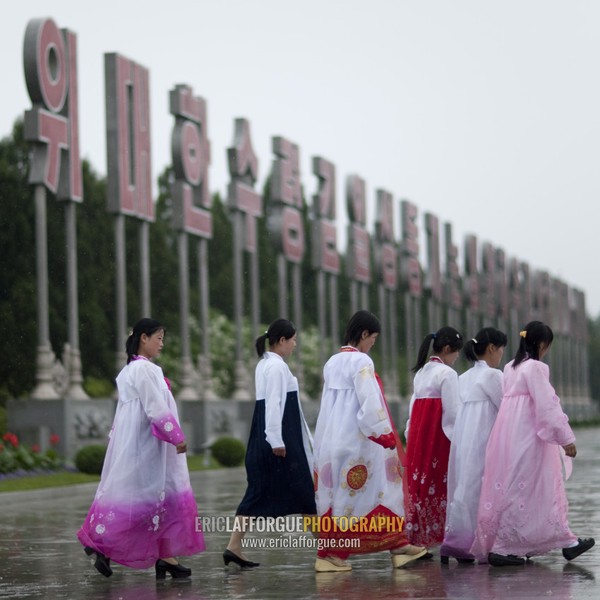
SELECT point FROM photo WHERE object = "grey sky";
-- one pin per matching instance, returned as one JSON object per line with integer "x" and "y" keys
{"x": 485, "y": 113}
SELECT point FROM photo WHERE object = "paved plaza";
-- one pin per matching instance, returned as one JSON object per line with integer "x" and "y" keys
{"x": 40, "y": 556}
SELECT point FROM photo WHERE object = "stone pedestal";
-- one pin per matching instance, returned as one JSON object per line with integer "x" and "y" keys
{"x": 77, "y": 423}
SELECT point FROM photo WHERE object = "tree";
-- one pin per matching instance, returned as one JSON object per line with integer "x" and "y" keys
{"x": 17, "y": 268}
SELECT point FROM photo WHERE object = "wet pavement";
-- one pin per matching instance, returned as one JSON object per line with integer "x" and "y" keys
{"x": 41, "y": 558}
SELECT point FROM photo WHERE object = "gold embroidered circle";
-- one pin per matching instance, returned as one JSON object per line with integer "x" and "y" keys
{"x": 357, "y": 477}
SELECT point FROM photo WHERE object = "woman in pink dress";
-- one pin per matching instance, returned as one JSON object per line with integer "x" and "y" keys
{"x": 523, "y": 505}
{"x": 432, "y": 413}
{"x": 144, "y": 513}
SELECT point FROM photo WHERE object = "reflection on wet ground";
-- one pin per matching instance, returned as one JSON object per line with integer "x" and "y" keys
{"x": 41, "y": 558}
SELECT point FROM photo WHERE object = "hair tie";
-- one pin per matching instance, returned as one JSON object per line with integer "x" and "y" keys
{"x": 266, "y": 334}
{"x": 523, "y": 334}
{"x": 474, "y": 341}
{"x": 130, "y": 333}
{"x": 433, "y": 335}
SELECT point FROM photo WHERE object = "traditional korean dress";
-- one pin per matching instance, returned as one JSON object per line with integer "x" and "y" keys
{"x": 480, "y": 394}
{"x": 354, "y": 475}
{"x": 430, "y": 427}
{"x": 144, "y": 508}
{"x": 278, "y": 486}
{"x": 523, "y": 505}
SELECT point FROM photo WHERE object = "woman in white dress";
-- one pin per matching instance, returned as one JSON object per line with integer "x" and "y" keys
{"x": 480, "y": 393}
{"x": 144, "y": 512}
{"x": 358, "y": 458}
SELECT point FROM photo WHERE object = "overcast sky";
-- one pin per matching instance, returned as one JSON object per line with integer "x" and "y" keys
{"x": 485, "y": 113}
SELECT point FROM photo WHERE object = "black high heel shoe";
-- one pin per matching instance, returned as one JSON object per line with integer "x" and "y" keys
{"x": 229, "y": 556}
{"x": 177, "y": 571}
{"x": 102, "y": 562}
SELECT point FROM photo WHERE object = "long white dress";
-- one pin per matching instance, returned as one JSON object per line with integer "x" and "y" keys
{"x": 480, "y": 393}
{"x": 144, "y": 508}
{"x": 355, "y": 476}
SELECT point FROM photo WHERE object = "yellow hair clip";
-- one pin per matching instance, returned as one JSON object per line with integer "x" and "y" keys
{"x": 523, "y": 334}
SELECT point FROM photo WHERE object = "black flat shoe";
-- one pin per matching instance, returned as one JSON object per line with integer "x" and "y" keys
{"x": 229, "y": 556}
{"x": 582, "y": 546}
{"x": 501, "y": 560}
{"x": 102, "y": 562}
{"x": 177, "y": 571}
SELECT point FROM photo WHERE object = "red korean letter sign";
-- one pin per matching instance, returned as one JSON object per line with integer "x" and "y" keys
{"x": 191, "y": 157}
{"x": 50, "y": 62}
{"x": 286, "y": 220}
{"x": 129, "y": 174}
{"x": 325, "y": 255}
{"x": 359, "y": 241}
{"x": 243, "y": 168}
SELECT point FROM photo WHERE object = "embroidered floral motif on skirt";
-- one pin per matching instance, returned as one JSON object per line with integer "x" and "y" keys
{"x": 427, "y": 453}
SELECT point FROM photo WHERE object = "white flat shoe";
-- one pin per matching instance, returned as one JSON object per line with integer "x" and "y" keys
{"x": 407, "y": 554}
{"x": 332, "y": 564}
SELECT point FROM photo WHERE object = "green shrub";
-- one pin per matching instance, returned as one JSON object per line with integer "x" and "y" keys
{"x": 90, "y": 459}
{"x": 228, "y": 451}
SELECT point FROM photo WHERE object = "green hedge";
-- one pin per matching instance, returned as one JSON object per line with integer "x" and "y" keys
{"x": 228, "y": 451}
{"x": 90, "y": 459}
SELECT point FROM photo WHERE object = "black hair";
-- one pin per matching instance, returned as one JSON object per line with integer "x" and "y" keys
{"x": 360, "y": 321}
{"x": 277, "y": 329}
{"x": 145, "y": 325}
{"x": 534, "y": 333}
{"x": 476, "y": 347}
{"x": 446, "y": 336}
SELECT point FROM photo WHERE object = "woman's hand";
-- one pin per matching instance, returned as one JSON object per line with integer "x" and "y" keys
{"x": 570, "y": 450}
{"x": 181, "y": 447}
{"x": 279, "y": 451}
{"x": 387, "y": 440}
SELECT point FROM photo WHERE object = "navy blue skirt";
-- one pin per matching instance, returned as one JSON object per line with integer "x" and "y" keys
{"x": 277, "y": 486}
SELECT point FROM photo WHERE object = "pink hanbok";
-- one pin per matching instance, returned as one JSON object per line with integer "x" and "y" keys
{"x": 144, "y": 508}
{"x": 523, "y": 505}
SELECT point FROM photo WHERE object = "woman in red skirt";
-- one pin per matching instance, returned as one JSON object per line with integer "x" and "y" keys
{"x": 429, "y": 428}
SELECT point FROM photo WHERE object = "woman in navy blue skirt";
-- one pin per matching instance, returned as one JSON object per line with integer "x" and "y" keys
{"x": 279, "y": 452}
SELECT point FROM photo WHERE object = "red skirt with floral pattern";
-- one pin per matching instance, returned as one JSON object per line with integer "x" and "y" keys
{"x": 427, "y": 453}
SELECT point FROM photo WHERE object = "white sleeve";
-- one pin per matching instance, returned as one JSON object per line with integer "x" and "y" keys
{"x": 275, "y": 395}
{"x": 152, "y": 390}
{"x": 410, "y": 407}
{"x": 450, "y": 402}
{"x": 494, "y": 388}
{"x": 372, "y": 416}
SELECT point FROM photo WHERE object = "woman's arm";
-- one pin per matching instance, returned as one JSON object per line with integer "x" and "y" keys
{"x": 450, "y": 401}
{"x": 275, "y": 395}
{"x": 153, "y": 392}
{"x": 551, "y": 422}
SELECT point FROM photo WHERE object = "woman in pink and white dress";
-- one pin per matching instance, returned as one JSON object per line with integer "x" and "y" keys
{"x": 523, "y": 505}
{"x": 144, "y": 512}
